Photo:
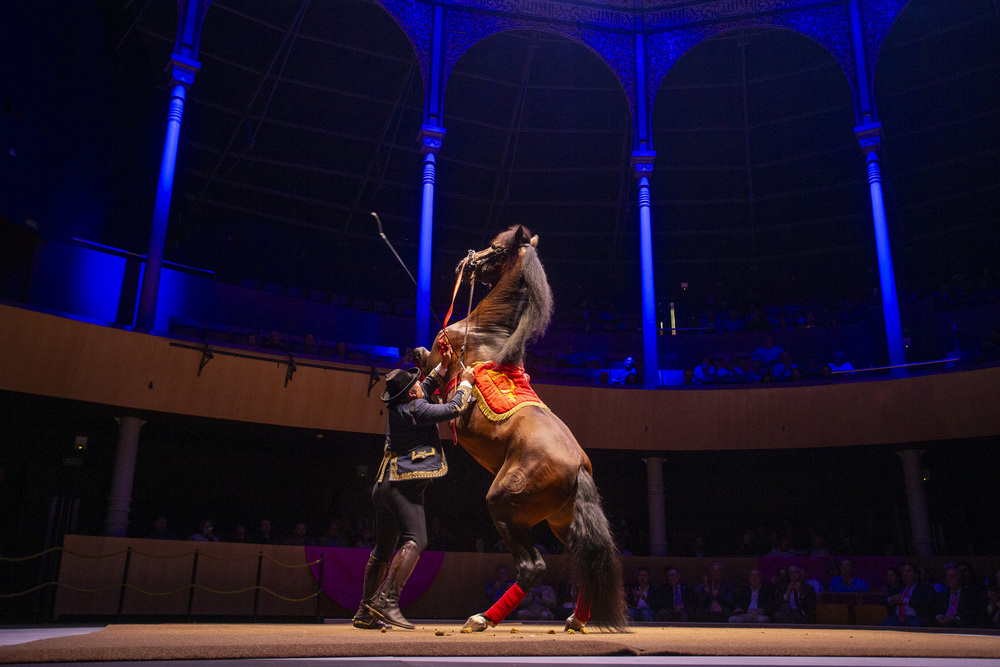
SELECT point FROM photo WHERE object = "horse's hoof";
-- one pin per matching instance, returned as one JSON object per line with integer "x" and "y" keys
{"x": 573, "y": 624}
{"x": 477, "y": 623}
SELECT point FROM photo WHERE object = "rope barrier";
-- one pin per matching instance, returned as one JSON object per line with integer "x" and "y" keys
{"x": 185, "y": 587}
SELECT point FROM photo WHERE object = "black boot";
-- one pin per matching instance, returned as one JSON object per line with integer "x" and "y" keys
{"x": 385, "y": 606}
{"x": 374, "y": 573}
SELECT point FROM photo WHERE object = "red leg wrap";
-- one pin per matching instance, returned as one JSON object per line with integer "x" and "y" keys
{"x": 506, "y": 604}
{"x": 582, "y": 611}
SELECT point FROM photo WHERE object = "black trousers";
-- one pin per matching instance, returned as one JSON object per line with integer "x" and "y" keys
{"x": 399, "y": 513}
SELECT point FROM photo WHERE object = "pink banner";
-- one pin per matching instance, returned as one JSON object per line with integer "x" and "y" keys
{"x": 344, "y": 570}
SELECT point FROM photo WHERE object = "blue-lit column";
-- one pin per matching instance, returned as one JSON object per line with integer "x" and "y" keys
{"x": 183, "y": 67}
{"x": 430, "y": 143}
{"x": 869, "y": 140}
{"x": 146, "y": 317}
{"x": 642, "y": 162}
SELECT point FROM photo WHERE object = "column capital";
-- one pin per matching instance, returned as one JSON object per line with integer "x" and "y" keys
{"x": 869, "y": 137}
{"x": 182, "y": 70}
{"x": 642, "y": 162}
{"x": 430, "y": 138}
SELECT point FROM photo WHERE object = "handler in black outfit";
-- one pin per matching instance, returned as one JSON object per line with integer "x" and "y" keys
{"x": 412, "y": 458}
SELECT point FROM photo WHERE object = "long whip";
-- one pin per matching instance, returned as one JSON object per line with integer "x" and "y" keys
{"x": 444, "y": 329}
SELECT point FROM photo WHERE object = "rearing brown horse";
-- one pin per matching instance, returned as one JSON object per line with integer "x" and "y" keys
{"x": 542, "y": 474}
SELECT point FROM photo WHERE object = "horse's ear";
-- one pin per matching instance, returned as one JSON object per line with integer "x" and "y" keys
{"x": 518, "y": 236}
{"x": 534, "y": 241}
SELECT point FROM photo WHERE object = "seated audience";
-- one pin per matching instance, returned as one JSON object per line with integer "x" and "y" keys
{"x": 206, "y": 533}
{"x": 309, "y": 344}
{"x": 160, "y": 531}
{"x": 641, "y": 598}
{"x": 993, "y": 603}
{"x": 333, "y": 537}
{"x": 841, "y": 365}
{"x": 299, "y": 537}
{"x": 782, "y": 371}
{"x": 714, "y": 597}
{"x": 768, "y": 353}
{"x": 496, "y": 588}
{"x": 754, "y": 374}
{"x": 704, "y": 373}
{"x": 631, "y": 375}
{"x": 910, "y": 601}
{"x": 264, "y": 535}
{"x": 754, "y": 602}
{"x": 811, "y": 371}
{"x": 956, "y": 606}
{"x": 847, "y": 582}
{"x": 539, "y": 604}
{"x": 676, "y": 599}
{"x": 798, "y": 602}
{"x": 730, "y": 373}
{"x": 240, "y": 535}
{"x": 367, "y": 540}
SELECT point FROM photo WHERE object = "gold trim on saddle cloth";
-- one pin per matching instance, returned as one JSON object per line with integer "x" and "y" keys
{"x": 501, "y": 391}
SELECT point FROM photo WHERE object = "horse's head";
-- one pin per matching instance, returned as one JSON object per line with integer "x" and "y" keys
{"x": 489, "y": 264}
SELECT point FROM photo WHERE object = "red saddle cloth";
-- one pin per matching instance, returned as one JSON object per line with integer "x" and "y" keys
{"x": 501, "y": 391}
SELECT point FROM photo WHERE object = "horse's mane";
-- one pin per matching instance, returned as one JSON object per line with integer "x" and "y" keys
{"x": 524, "y": 290}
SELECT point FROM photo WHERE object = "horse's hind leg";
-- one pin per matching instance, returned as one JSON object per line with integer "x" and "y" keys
{"x": 530, "y": 568}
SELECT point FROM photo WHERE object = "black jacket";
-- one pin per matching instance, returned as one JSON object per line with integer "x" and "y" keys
{"x": 412, "y": 444}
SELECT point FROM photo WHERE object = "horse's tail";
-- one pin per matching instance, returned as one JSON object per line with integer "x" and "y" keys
{"x": 596, "y": 557}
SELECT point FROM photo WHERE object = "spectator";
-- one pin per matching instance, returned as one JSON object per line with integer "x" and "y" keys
{"x": 252, "y": 340}
{"x": 910, "y": 601}
{"x": 274, "y": 341}
{"x": 811, "y": 371}
{"x": 754, "y": 602}
{"x": 676, "y": 599}
{"x": 264, "y": 535}
{"x": 705, "y": 372}
{"x": 496, "y": 588}
{"x": 732, "y": 323}
{"x": 438, "y": 538}
{"x": 847, "y": 582}
{"x": 641, "y": 598}
{"x": 367, "y": 540}
{"x": 160, "y": 531}
{"x": 798, "y": 603}
{"x": 955, "y": 607}
{"x": 240, "y": 535}
{"x": 631, "y": 372}
{"x": 784, "y": 548}
{"x": 714, "y": 597}
{"x": 782, "y": 371}
{"x": 340, "y": 350}
{"x": 754, "y": 374}
{"x": 206, "y": 533}
{"x": 817, "y": 547}
{"x": 299, "y": 538}
{"x": 841, "y": 365}
{"x": 309, "y": 344}
{"x": 539, "y": 604}
{"x": 993, "y": 605}
{"x": 768, "y": 353}
{"x": 333, "y": 537}
{"x": 730, "y": 373}
{"x": 604, "y": 377}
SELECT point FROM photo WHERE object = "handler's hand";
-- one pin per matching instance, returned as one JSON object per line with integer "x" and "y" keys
{"x": 468, "y": 375}
{"x": 445, "y": 351}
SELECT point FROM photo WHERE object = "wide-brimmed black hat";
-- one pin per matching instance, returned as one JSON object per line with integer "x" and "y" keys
{"x": 399, "y": 382}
